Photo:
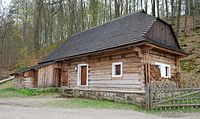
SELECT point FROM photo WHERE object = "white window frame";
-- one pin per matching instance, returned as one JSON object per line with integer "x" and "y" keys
{"x": 162, "y": 67}
{"x": 113, "y": 69}
{"x": 79, "y": 74}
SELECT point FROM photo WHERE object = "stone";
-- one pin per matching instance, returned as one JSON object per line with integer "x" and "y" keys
{"x": 126, "y": 97}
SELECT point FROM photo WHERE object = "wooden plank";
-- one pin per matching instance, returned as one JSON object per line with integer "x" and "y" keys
{"x": 180, "y": 96}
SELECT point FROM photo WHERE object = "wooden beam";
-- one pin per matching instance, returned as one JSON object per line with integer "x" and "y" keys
{"x": 167, "y": 50}
{"x": 148, "y": 66}
{"x": 146, "y": 50}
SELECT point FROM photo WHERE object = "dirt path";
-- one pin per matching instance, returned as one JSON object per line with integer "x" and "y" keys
{"x": 34, "y": 108}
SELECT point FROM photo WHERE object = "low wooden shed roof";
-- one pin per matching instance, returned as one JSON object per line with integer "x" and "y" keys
{"x": 35, "y": 67}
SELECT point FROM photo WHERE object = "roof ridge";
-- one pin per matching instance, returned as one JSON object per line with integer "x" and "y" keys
{"x": 139, "y": 11}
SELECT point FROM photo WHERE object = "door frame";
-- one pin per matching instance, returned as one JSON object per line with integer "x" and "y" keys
{"x": 79, "y": 74}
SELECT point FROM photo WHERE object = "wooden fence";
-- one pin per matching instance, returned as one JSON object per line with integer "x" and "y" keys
{"x": 179, "y": 97}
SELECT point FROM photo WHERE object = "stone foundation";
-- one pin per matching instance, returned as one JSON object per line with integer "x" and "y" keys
{"x": 137, "y": 98}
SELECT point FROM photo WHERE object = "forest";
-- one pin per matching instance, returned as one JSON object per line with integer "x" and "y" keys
{"x": 30, "y": 29}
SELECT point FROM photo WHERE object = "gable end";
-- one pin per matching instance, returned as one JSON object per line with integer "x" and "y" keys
{"x": 161, "y": 32}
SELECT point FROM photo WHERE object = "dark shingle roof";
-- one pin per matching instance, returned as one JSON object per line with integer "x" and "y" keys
{"x": 124, "y": 30}
{"x": 35, "y": 67}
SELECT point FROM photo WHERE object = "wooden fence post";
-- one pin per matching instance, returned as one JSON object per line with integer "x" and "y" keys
{"x": 148, "y": 97}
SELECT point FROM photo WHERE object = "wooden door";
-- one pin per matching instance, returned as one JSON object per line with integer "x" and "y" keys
{"x": 83, "y": 75}
{"x": 64, "y": 77}
{"x": 57, "y": 77}
{"x": 35, "y": 82}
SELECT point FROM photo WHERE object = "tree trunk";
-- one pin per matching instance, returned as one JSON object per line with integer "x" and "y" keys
{"x": 166, "y": 8}
{"x": 172, "y": 12}
{"x": 153, "y": 7}
{"x": 130, "y": 8}
{"x": 121, "y": 7}
{"x": 117, "y": 5}
{"x": 134, "y": 5}
{"x": 126, "y": 12}
{"x": 178, "y": 18}
{"x": 61, "y": 24}
{"x": 82, "y": 17}
{"x": 186, "y": 14}
{"x": 158, "y": 9}
{"x": 146, "y": 5}
{"x": 39, "y": 4}
{"x": 110, "y": 3}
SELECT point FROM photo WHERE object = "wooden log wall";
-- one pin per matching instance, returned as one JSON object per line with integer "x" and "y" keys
{"x": 100, "y": 70}
{"x": 162, "y": 57}
{"x": 33, "y": 74}
{"x": 18, "y": 81}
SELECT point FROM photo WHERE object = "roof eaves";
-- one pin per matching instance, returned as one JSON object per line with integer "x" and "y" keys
{"x": 140, "y": 42}
{"x": 179, "y": 51}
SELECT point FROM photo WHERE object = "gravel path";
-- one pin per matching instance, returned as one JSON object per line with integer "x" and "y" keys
{"x": 33, "y": 108}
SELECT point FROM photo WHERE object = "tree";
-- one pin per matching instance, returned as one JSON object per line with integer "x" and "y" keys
{"x": 93, "y": 8}
{"x": 117, "y": 5}
{"x": 166, "y": 8}
{"x": 126, "y": 11}
{"x": 172, "y": 12}
{"x": 158, "y": 9}
{"x": 134, "y": 5}
{"x": 146, "y": 5}
{"x": 178, "y": 17}
{"x": 38, "y": 10}
{"x": 61, "y": 20}
{"x": 153, "y": 7}
{"x": 110, "y": 8}
{"x": 186, "y": 14}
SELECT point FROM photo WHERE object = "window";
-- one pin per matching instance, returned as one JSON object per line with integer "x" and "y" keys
{"x": 117, "y": 69}
{"x": 164, "y": 70}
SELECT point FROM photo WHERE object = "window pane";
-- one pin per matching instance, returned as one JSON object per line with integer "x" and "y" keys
{"x": 166, "y": 71}
{"x": 117, "y": 69}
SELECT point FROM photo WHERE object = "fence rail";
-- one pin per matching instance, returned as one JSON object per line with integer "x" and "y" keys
{"x": 172, "y": 98}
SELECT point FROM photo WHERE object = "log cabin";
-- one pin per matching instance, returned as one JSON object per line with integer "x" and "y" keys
{"x": 112, "y": 61}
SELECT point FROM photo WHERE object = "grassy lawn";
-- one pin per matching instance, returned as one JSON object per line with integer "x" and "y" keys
{"x": 7, "y": 84}
{"x": 90, "y": 103}
{"x": 7, "y": 90}
{"x": 13, "y": 92}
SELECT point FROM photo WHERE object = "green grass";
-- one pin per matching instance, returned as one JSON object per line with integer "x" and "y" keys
{"x": 99, "y": 104}
{"x": 7, "y": 84}
{"x": 90, "y": 103}
{"x": 14, "y": 92}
